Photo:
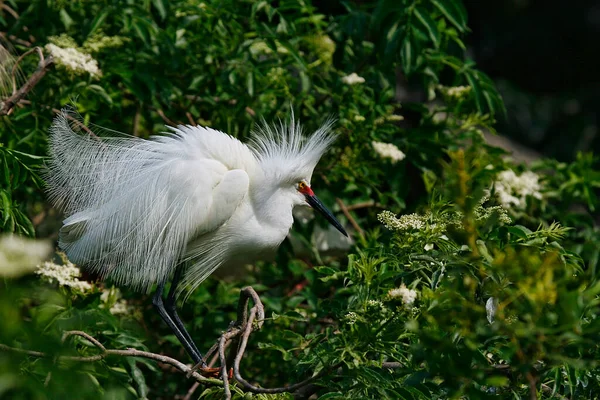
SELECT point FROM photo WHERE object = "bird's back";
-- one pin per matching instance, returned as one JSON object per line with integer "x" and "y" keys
{"x": 132, "y": 205}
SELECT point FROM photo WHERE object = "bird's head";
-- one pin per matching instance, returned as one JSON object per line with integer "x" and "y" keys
{"x": 287, "y": 160}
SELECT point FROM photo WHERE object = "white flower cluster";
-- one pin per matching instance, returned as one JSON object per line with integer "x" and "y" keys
{"x": 112, "y": 298}
{"x": 65, "y": 275}
{"x": 407, "y": 295}
{"x": 353, "y": 79}
{"x": 74, "y": 60}
{"x": 375, "y": 304}
{"x": 512, "y": 190}
{"x": 388, "y": 150}
{"x": 458, "y": 91}
{"x": 408, "y": 221}
{"x": 351, "y": 318}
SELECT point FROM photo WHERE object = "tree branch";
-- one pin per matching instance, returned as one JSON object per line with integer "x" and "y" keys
{"x": 108, "y": 352}
{"x": 7, "y": 105}
{"x": 240, "y": 330}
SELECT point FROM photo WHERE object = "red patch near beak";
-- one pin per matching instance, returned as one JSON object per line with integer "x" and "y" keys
{"x": 305, "y": 190}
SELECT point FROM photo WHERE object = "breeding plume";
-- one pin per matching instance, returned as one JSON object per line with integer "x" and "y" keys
{"x": 179, "y": 205}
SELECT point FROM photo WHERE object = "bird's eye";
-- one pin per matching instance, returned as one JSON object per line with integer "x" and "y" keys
{"x": 301, "y": 186}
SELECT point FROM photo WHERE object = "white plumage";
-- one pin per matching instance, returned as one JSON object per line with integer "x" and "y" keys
{"x": 136, "y": 209}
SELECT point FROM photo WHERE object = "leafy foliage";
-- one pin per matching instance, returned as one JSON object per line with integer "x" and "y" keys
{"x": 448, "y": 290}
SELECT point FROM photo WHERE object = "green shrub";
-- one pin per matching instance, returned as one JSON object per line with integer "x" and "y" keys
{"x": 469, "y": 275}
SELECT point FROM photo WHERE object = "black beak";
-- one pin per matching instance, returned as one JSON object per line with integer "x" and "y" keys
{"x": 317, "y": 205}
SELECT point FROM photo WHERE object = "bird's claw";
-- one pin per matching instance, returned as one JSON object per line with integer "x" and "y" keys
{"x": 214, "y": 372}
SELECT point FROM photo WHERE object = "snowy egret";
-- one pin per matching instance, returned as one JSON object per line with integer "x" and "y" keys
{"x": 182, "y": 204}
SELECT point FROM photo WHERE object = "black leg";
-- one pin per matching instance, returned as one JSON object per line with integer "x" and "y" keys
{"x": 160, "y": 307}
{"x": 171, "y": 307}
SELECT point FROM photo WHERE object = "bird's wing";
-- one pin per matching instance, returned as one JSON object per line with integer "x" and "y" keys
{"x": 132, "y": 205}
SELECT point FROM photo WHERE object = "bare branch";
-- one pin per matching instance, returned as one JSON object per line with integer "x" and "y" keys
{"x": 7, "y": 106}
{"x": 108, "y": 352}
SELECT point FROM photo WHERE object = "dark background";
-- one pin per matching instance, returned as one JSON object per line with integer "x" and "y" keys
{"x": 544, "y": 56}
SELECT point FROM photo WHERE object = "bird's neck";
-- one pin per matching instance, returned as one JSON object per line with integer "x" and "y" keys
{"x": 273, "y": 210}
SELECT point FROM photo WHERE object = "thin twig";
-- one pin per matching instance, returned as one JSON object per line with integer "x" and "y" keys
{"x": 18, "y": 61}
{"x": 108, "y": 352}
{"x": 258, "y": 312}
{"x": 164, "y": 117}
{"x": 349, "y": 216}
{"x": 191, "y": 391}
{"x": 136, "y": 122}
{"x": 548, "y": 391}
{"x": 224, "y": 374}
{"x": 7, "y": 106}
{"x": 532, "y": 386}
{"x": 364, "y": 204}
{"x": 68, "y": 116}
{"x": 9, "y": 10}
{"x": 190, "y": 118}
{"x": 13, "y": 38}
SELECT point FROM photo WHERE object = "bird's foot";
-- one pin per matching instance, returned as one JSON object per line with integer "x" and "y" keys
{"x": 214, "y": 372}
{"x": 209, "y": 372}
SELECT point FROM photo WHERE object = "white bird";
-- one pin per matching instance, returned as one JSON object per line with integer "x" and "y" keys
{"x": 182, "y": 204}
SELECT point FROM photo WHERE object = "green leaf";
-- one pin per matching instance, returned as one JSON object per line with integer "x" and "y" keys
{"x": 138, "y": 378}
{"x": 475, "y": 90}
{"x": 5, "y": 206}
{"x": 160, "y": 6}
{"x": 99, "y": 90}
{"x": 454, "y": 11}
{"x": 6, "y": 172}
{"x": 250, "y": 83}
{"x": 32, "y": 156}
{"x": 407, "y": 56}
{"x": 332, "y": 395}
{"x": 429, "y": 24}
{"x": 519, "y": 231}
{"x": 65, "y": 18}
{"x": 497, "y": 381}
{"x": 98, "y": 21}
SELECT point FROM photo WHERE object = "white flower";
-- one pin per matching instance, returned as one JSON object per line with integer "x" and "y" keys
{"x": 74, "y": 60}
{"x": 388, "y": 150}
{"x": 65, "y": 275}
{"x": 512, "y": 190}
{"x": 353, "y": 79}
{"x": 429, "y": 246}
{"x": 407, "y": 295}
